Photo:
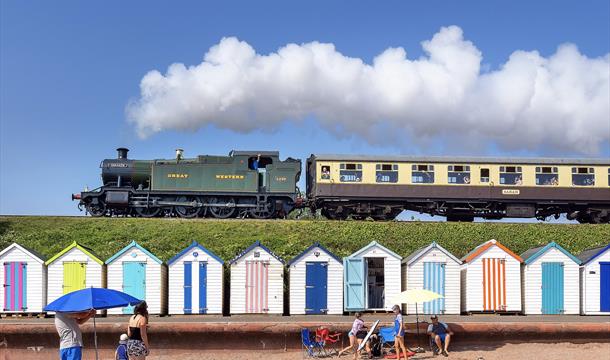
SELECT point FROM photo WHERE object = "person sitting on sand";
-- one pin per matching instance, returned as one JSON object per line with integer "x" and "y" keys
{"x": 440, "y": 333}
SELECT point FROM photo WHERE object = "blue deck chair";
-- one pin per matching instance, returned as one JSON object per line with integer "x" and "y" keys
{"x": 311, "y": 348}
{"x": 387, "y": 338}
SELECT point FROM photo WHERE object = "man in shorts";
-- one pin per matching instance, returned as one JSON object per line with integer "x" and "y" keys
{"x": 440, "y": 333}
{"x": 70, "y": 336}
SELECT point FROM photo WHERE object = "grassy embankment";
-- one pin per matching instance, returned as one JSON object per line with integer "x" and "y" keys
{"x": 166, "y": 237}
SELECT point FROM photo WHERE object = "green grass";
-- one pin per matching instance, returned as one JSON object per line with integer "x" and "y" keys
{"x": 166, "y": 237}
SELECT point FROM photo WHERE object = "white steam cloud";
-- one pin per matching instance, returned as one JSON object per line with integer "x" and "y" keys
{"x": 559, "y": 103}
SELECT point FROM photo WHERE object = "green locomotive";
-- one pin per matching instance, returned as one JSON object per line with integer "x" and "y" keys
{"x": 243, "y": 184}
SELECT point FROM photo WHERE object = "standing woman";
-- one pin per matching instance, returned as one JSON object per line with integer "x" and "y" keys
{"x": 399, "y": 334}
{"x": 137, "y": 345}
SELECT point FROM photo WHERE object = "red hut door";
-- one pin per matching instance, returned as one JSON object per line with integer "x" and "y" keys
{"x": 257, "y": 276}
{"x": 494, "y": 284}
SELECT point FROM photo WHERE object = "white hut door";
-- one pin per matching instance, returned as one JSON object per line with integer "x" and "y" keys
{"x": 257, "y": 281}
{"x": 494, "y": 284}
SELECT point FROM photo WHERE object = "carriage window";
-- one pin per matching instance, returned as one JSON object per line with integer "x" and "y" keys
{"x": 386, "y": 173}
{"x": 547, "y": 175}
{"x": 484, "y": 175}
{"x": 325, "y": 174}
{"x": 350, "y": 172}
{"x": 583, "y": 176}
{"x": 422, "y": 174}
{"x": 608, "y": 176}
{"x": 511, "y": 175}
{"x": 458, "y": 174}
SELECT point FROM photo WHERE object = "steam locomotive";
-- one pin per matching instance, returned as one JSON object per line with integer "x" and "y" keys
{"x": 258, "y": 184}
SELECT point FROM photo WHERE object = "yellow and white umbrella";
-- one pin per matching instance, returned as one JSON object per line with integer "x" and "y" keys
{"x": 415, "y": 296}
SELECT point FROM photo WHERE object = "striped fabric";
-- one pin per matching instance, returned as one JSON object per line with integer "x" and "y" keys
{"x": 257, "y": 275}
{"x": 15, "y": 286}
{"x": 434, "y": 280}
{"x": 494, "y": 284}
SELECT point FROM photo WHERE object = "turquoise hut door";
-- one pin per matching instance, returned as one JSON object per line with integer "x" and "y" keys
{"x": 134, "y": 282}
{"x": 552, "y": 287}
{"x": 434, "y": 280}
{"x": 354, "y": 284}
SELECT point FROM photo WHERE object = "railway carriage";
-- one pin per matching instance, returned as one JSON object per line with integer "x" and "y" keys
{"x": 459, "y": 188}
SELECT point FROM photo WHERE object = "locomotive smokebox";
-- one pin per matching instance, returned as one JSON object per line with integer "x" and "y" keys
{"x": 122, "y": 153}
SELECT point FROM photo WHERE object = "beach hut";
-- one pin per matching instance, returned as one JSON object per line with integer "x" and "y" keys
{"x": 195, "y": 281}
{"x": 433, "y": 268}
{"x": 137, "y": 272}
{"x": 257, "y": 281}
{"x": 75, "y": 267}
{"x": 316, "y": 282}
{"x": 550, "y": 281}
{"x": 24, "y": 280}
{"x": 371, "y": 278}
{"x": 491, "y": 279}
{"x": 595, "y": 278}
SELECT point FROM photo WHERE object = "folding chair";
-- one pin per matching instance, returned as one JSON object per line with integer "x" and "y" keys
{"x": 311, "y": 348}
{"x": 387, "y": 338}
{"x": 328, "y": 341}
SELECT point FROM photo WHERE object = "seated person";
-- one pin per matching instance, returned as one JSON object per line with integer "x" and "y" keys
{"x": 440, "y": 333}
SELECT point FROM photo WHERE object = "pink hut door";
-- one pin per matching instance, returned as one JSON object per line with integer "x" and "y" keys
{"x": 15, "y": 286}
{"x": 257, "y": 280}
{"x": 494, "y": 284}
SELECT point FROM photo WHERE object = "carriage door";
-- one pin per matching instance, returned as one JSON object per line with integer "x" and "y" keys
{"x": 134, "y": 282}
{"x": 353, "y": 290}
{"x": 604, "y": 286}
{"x": 316, "y": 277}
{"x": 494, "y": 284}
{"x": 434, "y": 280}
{"x": 257, "y": 276}
{"x": 15, "y": 286}
{"x": 74, "y": 276}
{"x": 552, "y": 288}
{"x": 203, "y": 283}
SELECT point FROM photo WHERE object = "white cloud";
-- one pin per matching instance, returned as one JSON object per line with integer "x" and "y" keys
{"x": 559, "y": 103}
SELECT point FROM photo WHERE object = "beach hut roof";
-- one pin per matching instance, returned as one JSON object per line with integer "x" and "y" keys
{"x": 486, "y": 245}
{"x": 194, "y": 245}
{"x": 534, "y": 253}
{"x": 315, "y": 245}
{"x": 375, "y": 243}
{"x": 82, "y": 248}
{"x": 257, "y": 243}
{"x": 590, "y": 254}
{"x": 131, "y": 245}
{"x": 421, "y": 251}
{"x": 38, "y": 257}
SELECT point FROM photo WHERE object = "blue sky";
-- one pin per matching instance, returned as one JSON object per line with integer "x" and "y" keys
{"x": 69, "y": 68}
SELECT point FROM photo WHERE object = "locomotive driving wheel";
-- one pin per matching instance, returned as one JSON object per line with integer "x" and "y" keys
{"x": 96, "y": 210}
{"x": 222, "y": 212}
{"x": 264, "y": 210}
{"x": 148, "y": 212}
{"x": 187, "y": 212}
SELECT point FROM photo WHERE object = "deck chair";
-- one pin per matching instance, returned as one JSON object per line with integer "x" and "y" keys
{"x": 387, "y": 338}
{"x": 330, "y": 342}
{"x": 311, "y": 348}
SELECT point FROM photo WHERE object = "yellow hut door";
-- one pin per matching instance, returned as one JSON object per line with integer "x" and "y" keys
{"x": 74, "y": 276}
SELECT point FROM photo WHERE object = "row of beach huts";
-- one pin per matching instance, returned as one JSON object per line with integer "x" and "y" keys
{"x": 491, "y": 278}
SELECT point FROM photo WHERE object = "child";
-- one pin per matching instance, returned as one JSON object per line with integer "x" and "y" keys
{"x": 358, "y": 326}
{"x": 121, "y": 350}
{"x": 399, "y": 334}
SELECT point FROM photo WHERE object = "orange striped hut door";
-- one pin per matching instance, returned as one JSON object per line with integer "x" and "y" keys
{"x": 494, "y": 284}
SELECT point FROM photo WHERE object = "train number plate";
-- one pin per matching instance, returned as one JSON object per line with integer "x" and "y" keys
{"x": 510, "y": 191}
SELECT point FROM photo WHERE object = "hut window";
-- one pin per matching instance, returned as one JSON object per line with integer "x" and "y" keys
{"x": 458, "y": 174}
{"x": 547, "y": 175}
{"x": 349, "y": 172}
{"x": 422, "y": 174}
{"x": 484, "y": 175}
{"x": 386, "y": 173}
{"x": 511, "y": 175}
{"x": 583, "y": 176}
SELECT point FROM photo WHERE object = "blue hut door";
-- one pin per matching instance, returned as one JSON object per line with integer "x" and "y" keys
{"x": 203, "y": 283}
{"x": 354, "y": 284}
{"x": 552, "y": 287}
{"x": 316, "y": 279}
{"x": 434, "y": 280}
{"x": 188, "y": 287}
{"x": 604, "y": 286}
{"x": 15, "y": 286}
{"x": 134, "y": 281}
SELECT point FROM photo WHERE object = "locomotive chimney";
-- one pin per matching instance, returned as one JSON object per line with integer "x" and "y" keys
{"x": 122, "y": 153}
{"x": 179, "y": 153}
